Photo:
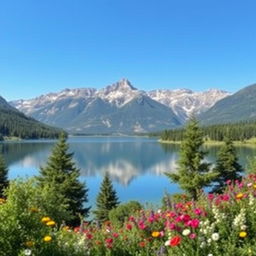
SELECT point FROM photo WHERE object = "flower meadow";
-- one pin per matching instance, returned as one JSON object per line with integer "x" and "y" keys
{"x": 215, "y": 224}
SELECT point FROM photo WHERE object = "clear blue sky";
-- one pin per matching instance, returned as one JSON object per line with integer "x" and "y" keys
{"x": 49, "y": 45}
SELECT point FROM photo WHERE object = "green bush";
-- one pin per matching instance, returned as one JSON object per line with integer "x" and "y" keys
{"x": 119, "y": 214}
{"x": 21, "y": 218}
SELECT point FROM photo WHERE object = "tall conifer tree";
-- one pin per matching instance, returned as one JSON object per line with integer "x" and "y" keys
{"x": 106, "y": 199}
{"x": 227, "y": 166}
{"x": 193, "y": 173}
{"x": 61, "y": 172}
{"x": 3, "y": 176}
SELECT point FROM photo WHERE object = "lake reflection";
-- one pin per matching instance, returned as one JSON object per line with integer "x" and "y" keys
{"x": 135, "y": 164}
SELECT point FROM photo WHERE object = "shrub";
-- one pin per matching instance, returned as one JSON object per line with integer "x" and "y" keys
{"x": 121, "y": 213}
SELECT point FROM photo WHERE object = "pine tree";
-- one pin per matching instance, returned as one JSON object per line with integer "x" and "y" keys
{"x": 192, "y": 174}
{"x": 3, "y": 176}
{"x": 227, "y": 166}
{"x": 106, "y": 199}
{"x": 61, "y": 172}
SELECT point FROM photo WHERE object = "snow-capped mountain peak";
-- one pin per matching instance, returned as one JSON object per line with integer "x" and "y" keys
{"x": 119, "y": 107}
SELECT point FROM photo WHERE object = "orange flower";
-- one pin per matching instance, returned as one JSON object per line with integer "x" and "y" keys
{"x": 239, "y": 196}
{"x": 155, "y": 234}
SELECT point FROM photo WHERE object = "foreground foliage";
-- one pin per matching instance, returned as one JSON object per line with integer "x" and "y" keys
{"x": 223, "y": 224}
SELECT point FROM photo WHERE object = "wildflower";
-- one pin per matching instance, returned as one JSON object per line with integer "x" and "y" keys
{"x": 89, "y": 236}
{"x": 34, "y": 209}
{"x": 175, "y": 241}
{"x": 186, "y": 232}
{"x": 242, "y": 234}
{"x": 215, "y": 236}
{"x": 27, "y": 252}
{"x": 142, "y": 244}
{"x": 239, "y": 196}
{"x": 192, "y": 236}
{"x": 243, "y": 227}
{"x": 115, "y": 235}
{"x": 46, "y": 219}
{"x": 50, "y": 223}
{"x": 2, "y": 200}
{"x": 47, "y": 239}
{"x": 128, "y": 226}
{"x": 29, "y": 243}
{"x": 155, "y": 234}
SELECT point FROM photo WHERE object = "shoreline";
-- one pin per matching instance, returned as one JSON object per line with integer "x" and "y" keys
{"x": 248, "y": 143}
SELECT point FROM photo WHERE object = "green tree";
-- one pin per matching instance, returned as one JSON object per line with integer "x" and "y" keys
{"x": 193, "y": 173}
{"x": 3, "y": 176}
{"x": 227, "y": 166}
{"x": 61, "y": 173}
{"x": 106, "y": 199}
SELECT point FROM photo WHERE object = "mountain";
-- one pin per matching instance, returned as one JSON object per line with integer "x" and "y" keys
{"x": 184, "y": 102}
{"x": 13, "y": 123}
{"x": 240, "y": 106}
{"x": 117, "y": 108}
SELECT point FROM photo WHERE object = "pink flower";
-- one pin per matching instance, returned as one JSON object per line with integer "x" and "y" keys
{"x": 141, "y": 225}
{"x": 198, "y": 211}
{"x": 192, "y": 236}
{"x": 193, "y": 223}
{"x": 228, "y": 182}
{"x": 210, "y": 196}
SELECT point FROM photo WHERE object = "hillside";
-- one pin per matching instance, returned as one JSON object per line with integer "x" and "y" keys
{"x": 240, "y": 106}
{"x": 13, "y": 123}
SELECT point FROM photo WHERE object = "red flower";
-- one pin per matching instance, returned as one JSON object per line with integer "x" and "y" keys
{"x": 89, "y": 236}
{"x": 175, "y": 241}
{"x": 109, "y": 240}
{"x": 115, "y": 235}
{"x": 142, "y": 244}
{"x": 129, "y": 226}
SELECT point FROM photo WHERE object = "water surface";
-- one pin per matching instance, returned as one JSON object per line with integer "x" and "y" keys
{"x": 135, "y": 164}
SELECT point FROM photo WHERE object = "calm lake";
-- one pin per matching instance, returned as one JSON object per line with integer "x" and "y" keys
{"x": 136, "y": 164}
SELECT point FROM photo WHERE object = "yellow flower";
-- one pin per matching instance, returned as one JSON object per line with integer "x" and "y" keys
{"x": 47, "y": 239}
{"x": 46, "y": 219}
{"x": 155, "y": 234}
{"x": 242, "y": 234}
{"x": 50, "y": 223}
{"x": 29, "y": 243}
{"x": 239, "y": 196}
{"x": 66, "y": 228}
{"x": 34, "y": 209}
{"x": 254, "y": 186}
{"x": 2, "y": 200}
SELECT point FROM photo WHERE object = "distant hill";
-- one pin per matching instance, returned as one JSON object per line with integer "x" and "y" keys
{"x": 240, "y": 106}
{"x": 13, "y": 123}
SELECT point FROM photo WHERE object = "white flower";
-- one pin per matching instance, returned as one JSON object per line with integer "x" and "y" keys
{"x": 167, "y": 243}
{"x": 202, "y": 245}
{"x": 186, "y": 232}
{"x": 215, "y": 236}
{"x": 209, "y": 240}
{"x": 210, "y": 254}
{"x": 243, "y": 227}
{"x": 159, "y": 211}
{"x": 27, "y": 252}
